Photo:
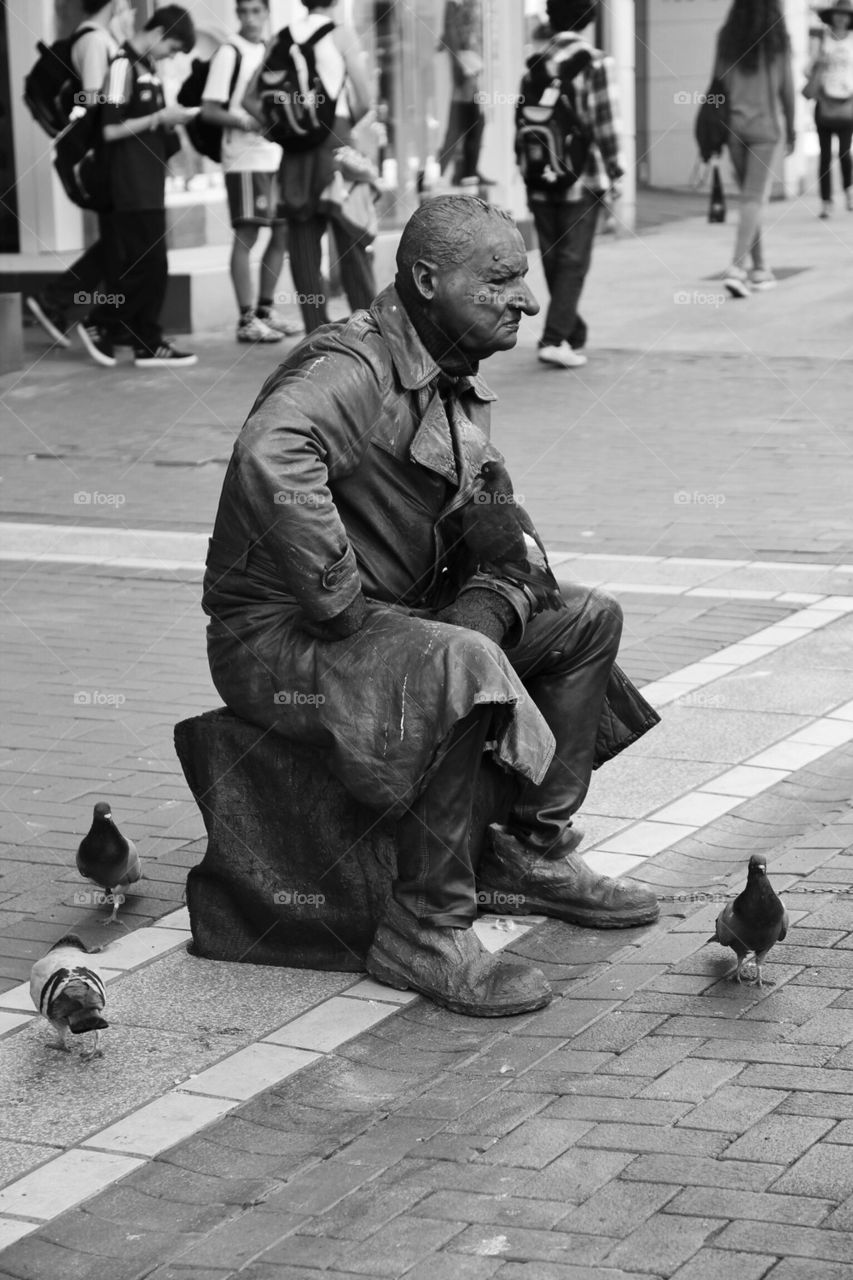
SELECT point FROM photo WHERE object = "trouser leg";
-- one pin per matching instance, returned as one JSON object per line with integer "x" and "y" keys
{"x": 356, "y": 268}
{"x": 566, "y": 235}
{"x": 141, "y": 278}
{"x": 436, "y": 880}
{"x": 824, "y": 137}
{"x": 305, "y": 238}
{"x": 565, "y": 661}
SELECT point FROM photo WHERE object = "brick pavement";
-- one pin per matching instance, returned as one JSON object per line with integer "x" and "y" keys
{"x": 655, "y": 1121}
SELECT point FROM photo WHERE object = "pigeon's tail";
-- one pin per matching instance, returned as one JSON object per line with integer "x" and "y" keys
{"x": 72, "y": 940}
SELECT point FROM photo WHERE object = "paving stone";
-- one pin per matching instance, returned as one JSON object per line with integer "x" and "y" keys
{"x": 430, "y": 1175}
{"x": 34, "y": 1258}
{"x": 733, "y": 1109}
{"x": 505, "y": 1208}
{"x": 691, "y": 1080}
{"x": 652, "y": 1057}
{"x": 804, "y": 1269}
{"x": 554, "y": 1271}
{"x": 721, "y": 1202}
{"x": 500, "y": 1113}
{"x": 618, "y": 1209}
{"x": 318, "y": 1189}
{"x": 573, "y": 1178}
{"x": 816, "y": 1079}
{"x": 788, "y": 1055}
{"x": 392, "y": 1249}
{"x": 537, "y": 1143}
{"x": 780, "y": 1139}
{"x": 825, "y": 1170}
{"x": 616, "y": 1032}
{"x": 530, "y": 1246}
{"x": 719, "y": 1264}
{"x": 664, "y": 1242}
{"x": 568, "y": 1017}
{"x": 648, "y": 1139}
{"x": 779, "y": 1238}
{"x": 699, "y": 1171}
{"x": 241, "y": 1239}
{"x": 834, "y": 1105}
{"x": 187, "y": 1186}
{"x": 633, "y": 1110}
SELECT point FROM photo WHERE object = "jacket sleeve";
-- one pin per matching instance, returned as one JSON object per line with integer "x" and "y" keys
{"x": 309, "y": 426}
{"x": 606, "y": 123}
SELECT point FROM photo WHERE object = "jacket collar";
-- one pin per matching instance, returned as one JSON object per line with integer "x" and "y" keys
{"x": 415, "y": 366}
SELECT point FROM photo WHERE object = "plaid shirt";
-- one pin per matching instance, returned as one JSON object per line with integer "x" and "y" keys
{"x": 597, "y": 104}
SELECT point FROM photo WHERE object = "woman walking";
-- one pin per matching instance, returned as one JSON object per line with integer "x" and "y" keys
{"x": 831, "y": 83}
{"x": 754, "y": 63}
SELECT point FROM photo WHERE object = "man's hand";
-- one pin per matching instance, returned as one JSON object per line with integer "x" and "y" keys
{"x": 170, "y": 116}
{"x": 346, "y": 623}
{"x": 481, "y": 610}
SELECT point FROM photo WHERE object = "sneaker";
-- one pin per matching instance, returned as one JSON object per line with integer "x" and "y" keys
{"x": 276, "y": 322}
{"x": 163, "y": 355}
{"x": 825, "y": 210}
{"x": 736, "y": 281}
{"x": 761, "y": 278}
{"x": 97, "y": 343}
{"x": 564, "y": 356}
{"x": 254, "y": 330}
{"x": 52, "y": 319}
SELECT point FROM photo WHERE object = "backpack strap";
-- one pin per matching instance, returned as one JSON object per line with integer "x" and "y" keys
{"x": 320, "y": 34}
{"x": 238, "y": 59}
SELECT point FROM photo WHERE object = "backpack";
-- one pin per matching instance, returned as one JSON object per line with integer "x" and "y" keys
{"x": 205, "y": 137}
{"x": 298, "y": 111}
{"x": 552, "y": 143}
{"x": 51, "y": 84}
{"x": 80, "y": 163}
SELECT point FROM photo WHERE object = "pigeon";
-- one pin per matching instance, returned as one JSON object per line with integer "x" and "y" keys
{"x": 754, "y": 922}
{"x": 500, "y": 536}
{"x": 69, "y": 993}
{"x": 106, "y": 857}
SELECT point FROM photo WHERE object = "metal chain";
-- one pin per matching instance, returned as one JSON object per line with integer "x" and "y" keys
{"x": 710, "y": 896}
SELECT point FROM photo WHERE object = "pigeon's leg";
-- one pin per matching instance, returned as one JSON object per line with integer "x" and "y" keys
{"x": 63, "y": 1032}
{"x": 736, "y": 974}
{"x": 94, "y": 1052}
{"x": 116, "y": 899}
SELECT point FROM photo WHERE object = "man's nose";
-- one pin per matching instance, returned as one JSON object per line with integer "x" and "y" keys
{"x": 526, "y": 301}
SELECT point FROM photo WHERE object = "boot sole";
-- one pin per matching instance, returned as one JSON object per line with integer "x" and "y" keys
{"x": 392, "y": 977}
{"x": 587, "y": 917}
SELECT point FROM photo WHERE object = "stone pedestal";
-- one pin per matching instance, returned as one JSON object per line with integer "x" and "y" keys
{"x": 296, "y": 870}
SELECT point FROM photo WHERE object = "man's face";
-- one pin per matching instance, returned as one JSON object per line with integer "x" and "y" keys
{"x": 165, "y": 47}
{"x": 252, "y": 16}
{"x": 479, "y": 305}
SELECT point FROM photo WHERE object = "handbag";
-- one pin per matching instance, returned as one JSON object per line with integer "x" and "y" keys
{"x": 717, "y": 202}
{"x": 350, "y": 198}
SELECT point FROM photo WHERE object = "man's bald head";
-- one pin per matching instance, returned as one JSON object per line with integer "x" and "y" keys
{"x": 446, "y": 230}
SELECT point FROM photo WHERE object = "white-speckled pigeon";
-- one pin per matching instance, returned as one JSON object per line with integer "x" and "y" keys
{"x": 68, "y": 990}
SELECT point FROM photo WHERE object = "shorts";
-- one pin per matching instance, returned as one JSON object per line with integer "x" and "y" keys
{"x": 253, "y": 198}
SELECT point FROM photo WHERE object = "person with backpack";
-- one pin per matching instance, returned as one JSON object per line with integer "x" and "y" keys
{"x": 753, "y": 64}
{"x": 310, "y": 90}
{"x": 92, "y": 46}
{"x": 830, "y": 81}
{"x": 139, "y": 136}
{"x": 567, "y": 144}
{"x": 250, "y": 164}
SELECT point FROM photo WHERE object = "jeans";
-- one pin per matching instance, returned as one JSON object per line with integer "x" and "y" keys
{"x": 566, "y": 232}
{"x": 825, "y": 134}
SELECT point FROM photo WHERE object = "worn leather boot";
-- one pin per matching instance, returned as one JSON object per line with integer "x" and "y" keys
{"x": 527, "y": 884}
{"x": 452, "y": 968}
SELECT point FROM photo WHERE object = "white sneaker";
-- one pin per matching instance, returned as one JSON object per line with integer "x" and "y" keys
{"x": 737, "y": 282}
{"x": 254, "y": 330}
{"x": 762, "y": 278}
{"x": 276, "y": 322}
{"x": 564, "y": 356}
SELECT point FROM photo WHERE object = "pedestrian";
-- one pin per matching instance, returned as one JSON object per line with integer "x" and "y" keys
{"x": 336, "y": 570}
{"x": 462, "y": 39}
{"x": 305, "y": 175}
{"x": 753, "y": 63}
{"x": 97, "y": 40}
{"x": 250, "y": 163}
{"x": 139, "y": 137}
{"x": 566, "y": 218}
{"x": 830, "y": 79}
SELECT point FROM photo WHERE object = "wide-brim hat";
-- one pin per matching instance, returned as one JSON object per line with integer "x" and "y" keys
{"x": 841, "y": 6}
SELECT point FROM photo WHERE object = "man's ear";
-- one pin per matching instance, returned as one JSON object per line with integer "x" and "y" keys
{"x": 424, "y": 275}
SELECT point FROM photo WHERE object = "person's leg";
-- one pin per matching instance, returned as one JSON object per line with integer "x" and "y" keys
{"x": 245, "y": 236}
{"x": 143, "y": 276}
{"x": 565, "y": 660}
{"x": 755, "y": 188}
{"x": 474, "y": 124}
{"x": 304, "y": 237}
{"x": 271, "y": 263}
{"x": 845, "y": 137}
{"x": 356, "y": 267}
{"x": 566, "y": 235}
{"x": 453, "y": 136}
{"x": 824, "y": 137}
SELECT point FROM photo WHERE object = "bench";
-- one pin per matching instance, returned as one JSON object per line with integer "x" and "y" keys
{"x": 296, "y": 871}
